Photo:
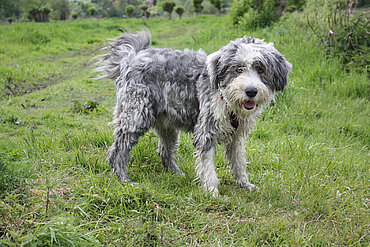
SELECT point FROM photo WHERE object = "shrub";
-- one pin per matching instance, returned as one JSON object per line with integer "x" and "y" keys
{"x": 92, "y": 11}
{"x": 10, "y": 20}
{"x": 217, "y": 4}
{"x": 343, "y": 34}
{"x": 130, "y": 9}
{"x": 144, "y": 8}
{"x": 75, "y": 15}
{"x": 179, "y": 10}
{"x": 198, "y": 6}
{"x": 255, "y": 13}
{"x": 168, "y": 7}
{"x": 295, "y": 5}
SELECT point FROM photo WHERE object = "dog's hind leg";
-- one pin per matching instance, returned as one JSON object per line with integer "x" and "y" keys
{"x": 167, "y": 146}
{"x": 235, "y": 155}
{"x": 133, "y": 116}
{"x": 119, "y": 153}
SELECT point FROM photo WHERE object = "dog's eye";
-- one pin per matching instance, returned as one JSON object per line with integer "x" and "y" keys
{"x": 259, "y": 69}
{"x": 239, "y": 70}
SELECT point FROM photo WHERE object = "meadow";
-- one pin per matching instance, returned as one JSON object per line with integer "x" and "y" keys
{"x": 308, "y": 155}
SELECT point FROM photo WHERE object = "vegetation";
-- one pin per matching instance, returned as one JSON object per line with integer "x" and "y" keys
{"x": 309, "y": 153}
{"x": 198, "y": 6}
{"x": 256, "y": 13}
{"x": 92, "y": 11}
{"x": 130, "y": 9}
{"x": 179, "y": 10}
{"x": 217, "y": 4}
{"x": 144, "y": 8}
{"x": 342, "y": 33}
{"x": 168, "y": 6}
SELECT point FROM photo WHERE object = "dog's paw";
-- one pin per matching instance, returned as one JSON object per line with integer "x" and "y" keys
{"x": 214, "y": 192}
{"x": 247, "y": 185}
{"x": 250, "y": 187}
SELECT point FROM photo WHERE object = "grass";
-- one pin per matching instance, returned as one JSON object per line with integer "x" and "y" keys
{"x": 308, "y": 154}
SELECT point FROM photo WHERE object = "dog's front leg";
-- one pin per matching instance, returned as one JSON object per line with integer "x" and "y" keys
{"x": 206, "y": 171}
{"x": 235, "y": 155}
{"x": 205, "y": 148}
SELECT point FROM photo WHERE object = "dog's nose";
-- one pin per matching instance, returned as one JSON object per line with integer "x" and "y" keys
{"x": 251, "y": 92}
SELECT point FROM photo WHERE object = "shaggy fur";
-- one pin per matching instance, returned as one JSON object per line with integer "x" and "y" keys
{"x": 218, "y": 97}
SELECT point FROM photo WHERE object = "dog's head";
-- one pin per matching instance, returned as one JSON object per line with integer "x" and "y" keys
{"x": 248, "y": 72}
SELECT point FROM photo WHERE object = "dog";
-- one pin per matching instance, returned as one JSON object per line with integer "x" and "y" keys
{"x": 217, "y": 97}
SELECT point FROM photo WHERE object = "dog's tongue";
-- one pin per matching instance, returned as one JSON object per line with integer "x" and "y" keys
{"x": 249, "y": 105}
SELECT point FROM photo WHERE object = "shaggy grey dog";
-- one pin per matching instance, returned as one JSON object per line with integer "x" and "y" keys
{"x": 216, "y": 96}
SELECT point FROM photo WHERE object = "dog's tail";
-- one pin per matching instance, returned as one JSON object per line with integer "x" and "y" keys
{"x": 121, "y": 50}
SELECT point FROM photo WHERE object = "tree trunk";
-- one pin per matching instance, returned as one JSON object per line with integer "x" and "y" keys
{"x": 280, "y": 7}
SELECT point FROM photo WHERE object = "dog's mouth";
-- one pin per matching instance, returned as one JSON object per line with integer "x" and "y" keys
{"x": 249, "y": 105}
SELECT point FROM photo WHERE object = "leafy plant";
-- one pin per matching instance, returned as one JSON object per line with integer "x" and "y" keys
{"x": 144, "y": 8}
{"x": 217, "y": 4}
{"x": 92, "y": 11}
{"x": 342, "y": 33}
{"x": 198, "y": 6}
{"x": 179, "y": 10}
{"x": 75, "y": 15}
{"x": 130, "y": 9}
{"x": 87, "y": 107}
{"x": 255, "y": 13}
{"x": 168, "y": 7}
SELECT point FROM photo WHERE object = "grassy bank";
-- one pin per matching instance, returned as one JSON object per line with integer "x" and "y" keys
{"x": 308, "y": 154}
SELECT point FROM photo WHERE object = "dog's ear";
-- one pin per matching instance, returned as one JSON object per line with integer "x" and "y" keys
{"x": 279, "y": 69}
{"x": 281, "y": 72}
{"x": 214, "y": 68}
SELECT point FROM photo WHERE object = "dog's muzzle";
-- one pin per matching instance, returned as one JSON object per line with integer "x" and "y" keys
{"x": 251, "y": 92}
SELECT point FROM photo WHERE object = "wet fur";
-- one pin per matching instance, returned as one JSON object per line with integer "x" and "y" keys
{"x": 171, "y": 90}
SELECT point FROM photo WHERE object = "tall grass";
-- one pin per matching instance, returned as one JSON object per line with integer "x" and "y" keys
{"x": 308, "y": 155}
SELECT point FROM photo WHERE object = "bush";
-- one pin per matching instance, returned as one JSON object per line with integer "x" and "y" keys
{"x": 295, "y": 5}
{"x": 343, "y": 34}
{"x": 252, "y": 14}
{"x": 75, "y": 15}
{"x": 198, "y": 6}
{"x": 92, "y": 11}
{"x": 130, "y": 9}
{"x": 168, "y": 7}
{"x": 144, "y": 8}
{"x": 179, "y": 10}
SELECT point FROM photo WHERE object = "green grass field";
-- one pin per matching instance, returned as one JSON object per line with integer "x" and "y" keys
{"x": 308, "y": 155}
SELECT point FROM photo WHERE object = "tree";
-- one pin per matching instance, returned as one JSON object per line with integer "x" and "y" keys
{"x": 144, "y": 8}
{"x": 168, "y": 7}
{"x": 92, "y": 11}
{"x": 60, "y": 9}
{"x": 179, "y": 10}
{"x": 198, "y": 6}
{"x": 130, "y": 9}
{"x": 40, "y": 14}
{"x": 217, "y": 4}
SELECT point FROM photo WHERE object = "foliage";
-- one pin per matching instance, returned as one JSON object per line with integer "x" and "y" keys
{"x": 217, "y": 4}
{"x": 253, "y": 13}
{"x": 92, "y": 11}
{"x": 75, "y": 15}
{"x": 342, "y": 33}
{"x": 144, "y": 8}
{"x": 130, "y": 9}
{"x": 168, "y": 6}
{"x": 179, "y": 10}
{"x": 198, "y": 6}
{"x": 295, "y": 4}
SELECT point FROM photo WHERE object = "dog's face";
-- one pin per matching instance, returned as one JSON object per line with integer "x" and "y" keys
{"x": 248, "y": 72}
